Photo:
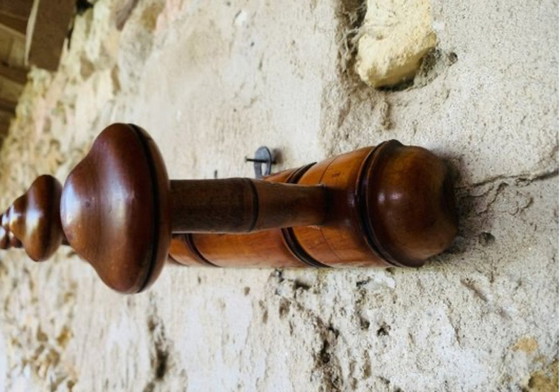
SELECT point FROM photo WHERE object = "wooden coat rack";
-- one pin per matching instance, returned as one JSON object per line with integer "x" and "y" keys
{"x": 389, "y": 205}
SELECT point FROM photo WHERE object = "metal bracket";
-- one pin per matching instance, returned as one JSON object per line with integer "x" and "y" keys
{"x": 262, "y": 162}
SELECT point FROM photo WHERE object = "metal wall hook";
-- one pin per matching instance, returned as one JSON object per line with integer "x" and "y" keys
{"x": 262, "y": 162}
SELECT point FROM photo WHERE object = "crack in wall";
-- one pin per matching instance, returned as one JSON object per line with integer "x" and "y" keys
{"x": 160, "y": 349}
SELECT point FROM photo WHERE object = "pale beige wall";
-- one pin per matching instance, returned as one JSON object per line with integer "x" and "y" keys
{"x": 214, "y": 80}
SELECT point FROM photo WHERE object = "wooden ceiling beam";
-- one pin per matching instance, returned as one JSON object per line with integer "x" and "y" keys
{"x": 7, "y": 106}
{"x": 16, "y": 8}
{"x": 18, "y": 75}
{"x": 47, "y": 29}
{"x": 13, "y": 23}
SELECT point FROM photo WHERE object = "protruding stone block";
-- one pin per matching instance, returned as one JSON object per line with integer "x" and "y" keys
{"x": 395, "y": 35}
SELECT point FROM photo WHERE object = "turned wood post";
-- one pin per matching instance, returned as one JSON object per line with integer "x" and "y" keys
{"x": 389, "y": 205}
{"x": 235, "y": 205}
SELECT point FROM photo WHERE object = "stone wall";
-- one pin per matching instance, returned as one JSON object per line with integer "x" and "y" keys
{"x": 212, "y": 81}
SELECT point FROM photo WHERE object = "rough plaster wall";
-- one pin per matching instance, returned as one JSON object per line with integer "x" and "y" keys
{"x": 211, "y": 82}
{"x": 393, "y": 39}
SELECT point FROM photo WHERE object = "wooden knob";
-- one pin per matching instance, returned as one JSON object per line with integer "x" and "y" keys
{"x": 33, "y": 220}
{"x": 409, "y": 204}
{"x": 4, "y": 239}
{"x": 8, "y": 239}
{"x": 117, "y": 205}
{"x": 14, "y": 241}
{"x": 115, "y": 208}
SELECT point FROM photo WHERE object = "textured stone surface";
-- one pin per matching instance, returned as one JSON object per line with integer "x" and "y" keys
{"x": 212, "y": 82}
{"x": 395, "y": 36}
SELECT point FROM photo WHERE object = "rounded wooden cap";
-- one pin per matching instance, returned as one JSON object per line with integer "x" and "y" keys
{"x": 115, "y": 208}
{"x": 34, "y": 219}
{"x": 410, "y": 204}
{"x": 4, "y": 238}
{"x": 8, "y": 240}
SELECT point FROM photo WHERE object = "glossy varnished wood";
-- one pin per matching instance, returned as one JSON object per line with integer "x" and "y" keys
{"x": 373, "y": 207}
{"x": 387, "y": 205}
{"x": 115, "y": 208}
{"x": 234, "y": 205}
{"x": 266, "y": 248}
{"x": 33, "y": 220}
{"x": 341, "y": 241}
{"x": 408, "y": 204}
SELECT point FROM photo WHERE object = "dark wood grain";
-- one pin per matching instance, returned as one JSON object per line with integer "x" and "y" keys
{"x": 266, "y": 248}
{"x": 243, "y": 205}
{"x": 408, "y": 204}
{"x": 4, "y": 239}
{"x": 390, "y": 205}
{"x": 115, "y": 208}
{"x": 17, "y": 8}
{"x": 33, "y": 220}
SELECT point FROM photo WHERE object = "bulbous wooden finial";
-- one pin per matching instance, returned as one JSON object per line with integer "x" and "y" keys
{"x": 376, "y": 206}
{"x": 4, "y": 239}
{"x": 409, "y": 204}
{"x": 7, "y": 238}
{"x": 118, "y": 207}
{"x": 115, "y": 208}
{"x": 33, "y": 220}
